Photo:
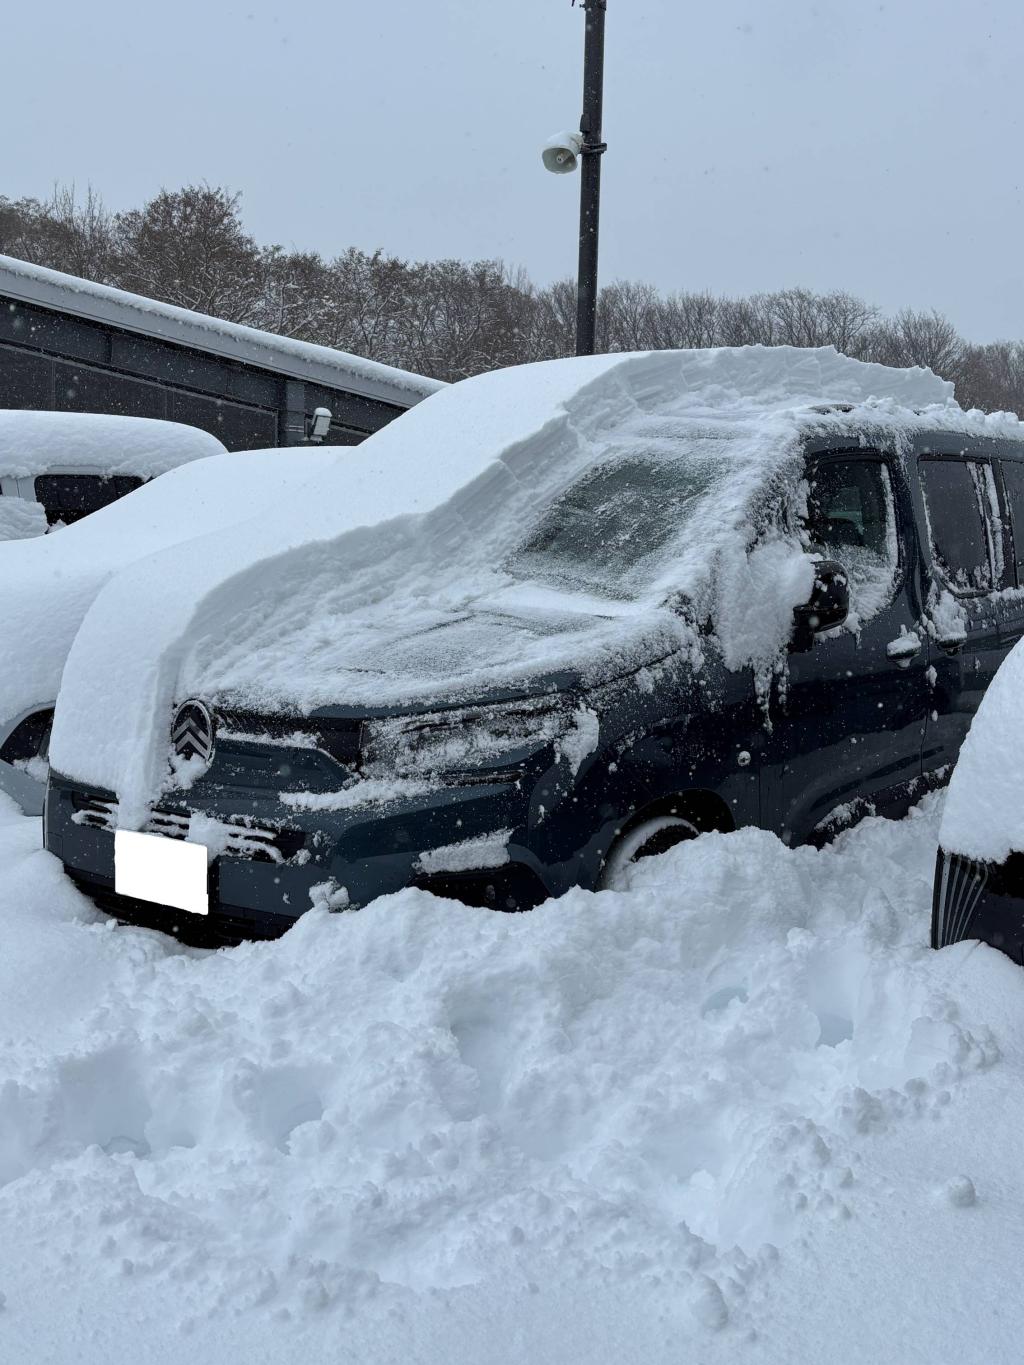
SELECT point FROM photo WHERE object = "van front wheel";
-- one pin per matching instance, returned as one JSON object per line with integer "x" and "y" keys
{"x": 657, "y": 835}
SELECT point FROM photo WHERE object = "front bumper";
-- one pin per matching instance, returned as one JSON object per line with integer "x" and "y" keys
{"x": 275, "y": 857}
{"x": 982, "y": 901}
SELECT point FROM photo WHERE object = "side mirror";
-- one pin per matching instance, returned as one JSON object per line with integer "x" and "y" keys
{"x": 829, "y": 605}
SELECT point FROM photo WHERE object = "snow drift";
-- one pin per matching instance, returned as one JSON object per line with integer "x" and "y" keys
{"x": 738, "y": 1109}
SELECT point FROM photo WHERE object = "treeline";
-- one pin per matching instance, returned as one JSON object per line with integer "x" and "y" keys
{"x": 452, "y": 318}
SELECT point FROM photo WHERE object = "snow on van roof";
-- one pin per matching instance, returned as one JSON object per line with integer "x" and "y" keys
{"x": 40, "y": 442}
{"x": 391, "y": 583}
{"x": 46, "y": 288}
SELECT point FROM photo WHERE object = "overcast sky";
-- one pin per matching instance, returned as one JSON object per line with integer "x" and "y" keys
{"x": 753, "y": 144}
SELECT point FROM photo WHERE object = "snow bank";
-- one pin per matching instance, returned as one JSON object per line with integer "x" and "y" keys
{"x": 49, "y": 582}
{"x": 984, "y": 816}
{"x": 393, "y": 580}
{"x": 38, "y": 442}
{"x": 732, "y": 1112}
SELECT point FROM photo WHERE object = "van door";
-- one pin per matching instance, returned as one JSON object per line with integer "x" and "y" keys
{"x": 967, "y": 567}
{"x": 848, "y": 720}
{"x": 1010, "y": 478}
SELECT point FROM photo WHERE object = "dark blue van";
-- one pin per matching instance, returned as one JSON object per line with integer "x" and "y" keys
{"x": 911, "y": 532}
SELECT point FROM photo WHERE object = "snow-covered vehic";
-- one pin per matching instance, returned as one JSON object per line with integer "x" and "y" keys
{"x": 405, "y": 575}
{"x": 40, "y": 442}
{"x": 50, "y": 581}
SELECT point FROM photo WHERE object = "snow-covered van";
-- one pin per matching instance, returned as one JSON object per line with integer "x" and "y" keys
{"x": 556, "y": 619}
{"x": 57, "y": 467}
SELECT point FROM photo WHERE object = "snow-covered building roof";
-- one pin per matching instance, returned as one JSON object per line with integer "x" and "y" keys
{"x": 303, "y": 360}
{"x": 40, "y": 442}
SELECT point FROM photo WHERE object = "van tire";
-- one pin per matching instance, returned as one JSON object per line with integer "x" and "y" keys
{"x": 652, "y": 836}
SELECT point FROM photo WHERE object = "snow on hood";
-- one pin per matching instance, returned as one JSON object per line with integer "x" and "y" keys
{"x": 983, "y": 816}
{"x": 49, "y": 582}
{"x": 334, "y": 599}
{"x": 36, "y": 442}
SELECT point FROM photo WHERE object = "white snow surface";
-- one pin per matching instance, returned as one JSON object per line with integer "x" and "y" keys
{"x": 738, "y": 1111}
{"x": 21, "y": 518}
{"x": 488, "y": 850}
{"x": 39, "y": 442}
{"x": 984, "y": 816}
{"x": 389, "y": 580}
{"x": 49, "y": 582}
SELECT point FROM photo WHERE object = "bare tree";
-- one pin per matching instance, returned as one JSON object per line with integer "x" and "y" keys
{"x": 63, "y": 233}
{"x": 451, "y": 318}
{"x": 913, "y": 338}
{"x": 188, "y": 247}
{"x": 991, "y": 377}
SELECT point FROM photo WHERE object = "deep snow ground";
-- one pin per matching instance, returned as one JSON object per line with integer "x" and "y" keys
{"x": 739, "y": 1112}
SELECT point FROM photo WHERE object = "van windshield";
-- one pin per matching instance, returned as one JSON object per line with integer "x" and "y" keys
{"x": 614, "y": 523}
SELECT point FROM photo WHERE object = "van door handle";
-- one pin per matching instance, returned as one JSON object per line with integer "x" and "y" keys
{"x": 903, "y": 649}
{"x": 951, "y": 644}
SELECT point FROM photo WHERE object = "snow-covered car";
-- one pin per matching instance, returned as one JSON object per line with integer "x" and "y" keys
{"x": 57, "y": 467}
{"x": 49, "y": 583}
{"x": 553, "y": 621}
{"x": 979, "y": 871}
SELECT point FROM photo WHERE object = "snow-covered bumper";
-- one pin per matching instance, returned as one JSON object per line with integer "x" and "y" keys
{"x": 269, "y": 864}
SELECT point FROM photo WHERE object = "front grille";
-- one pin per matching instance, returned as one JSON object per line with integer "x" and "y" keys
{"x": 231, "y": 838}
{"x": 959, "y": 885}
{"x": 340, "y": 737}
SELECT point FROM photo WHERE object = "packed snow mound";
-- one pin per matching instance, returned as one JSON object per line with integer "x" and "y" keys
{"x": 719, "y": 1095}
{"x": 346, "y": 595}
{"x": 21, "y": 518}
{"x": 984, "y": 813}
{"x": 50, "y": 581}
{"x": 37, "y": 442}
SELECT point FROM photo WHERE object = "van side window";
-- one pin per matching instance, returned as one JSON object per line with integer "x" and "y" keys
{"x": 953, "y": 491}
{"x": 1013, "y": 482}
{"x": 851, "y": 518}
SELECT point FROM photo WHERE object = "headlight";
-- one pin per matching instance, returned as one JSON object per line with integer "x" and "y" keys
{"x": 452, "y": 741}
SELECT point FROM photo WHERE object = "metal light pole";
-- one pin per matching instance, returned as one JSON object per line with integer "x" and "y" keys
{"x": 566, "y": 151}
{"x": 590, "y": 169}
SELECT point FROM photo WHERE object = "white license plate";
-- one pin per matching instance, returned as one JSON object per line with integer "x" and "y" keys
{"x": 171, "y": 872}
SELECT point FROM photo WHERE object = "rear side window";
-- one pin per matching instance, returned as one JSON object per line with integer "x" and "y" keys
{"x": 956, "y": 496}
{"x": 1013, "y": 481}
{"x": 69, "y": 497}
{"x": 851, "y": 518}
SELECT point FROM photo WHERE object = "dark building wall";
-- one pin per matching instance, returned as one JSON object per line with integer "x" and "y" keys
{"x": 55, "y": 361}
